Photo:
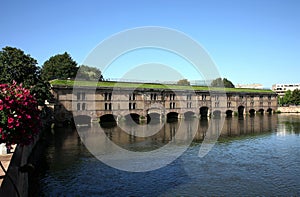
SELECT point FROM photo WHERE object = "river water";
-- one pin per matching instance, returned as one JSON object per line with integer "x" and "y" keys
{"x": 253, "y": 156}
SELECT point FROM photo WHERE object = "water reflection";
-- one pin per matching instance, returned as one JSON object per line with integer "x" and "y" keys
{"x": 125, "y": 134}
{"x": 261, "y": 165}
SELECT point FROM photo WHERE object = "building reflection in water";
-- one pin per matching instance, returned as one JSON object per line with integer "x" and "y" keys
{"x": 125, "y": 135}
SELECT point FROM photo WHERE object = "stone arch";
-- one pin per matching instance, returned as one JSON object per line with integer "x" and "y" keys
{"x": 153, "y": 117}
{"x": 217, "y": 113}
{"x": 269, "y": 110}
{"x": 108, "y": 118}
{"x": 82, "y": 120}
{"x": 189, "y": 114}
{"x": 203, "y": 112}
{"x": 241, "y": 110}
{"x": 252, "y": 112}
{"x": 261, "y": 111}
{"x": 172, "y": 116}
{"x": 229, "y": 113}
{"x": 132, "y": 117}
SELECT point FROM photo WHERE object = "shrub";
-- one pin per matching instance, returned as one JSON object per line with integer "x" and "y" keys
{"x": 19, "y": 115}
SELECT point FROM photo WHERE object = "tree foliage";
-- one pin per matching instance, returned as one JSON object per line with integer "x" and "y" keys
{"x": 290, "y": 98}
{"x": 183, "y": 82}
{"x": 219, "y": 82}
{"x": 60, "y": 66}
{"x": 16, "y": 66}
{"x": 89, "y": 73}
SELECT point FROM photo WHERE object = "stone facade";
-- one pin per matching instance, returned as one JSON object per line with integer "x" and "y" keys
{"x": 120, "y": 102}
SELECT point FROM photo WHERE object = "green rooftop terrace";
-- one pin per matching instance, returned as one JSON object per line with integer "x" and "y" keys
{"x": 152, "y": 86}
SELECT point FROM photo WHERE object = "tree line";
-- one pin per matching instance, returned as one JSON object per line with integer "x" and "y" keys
{"x": 290, "y": 98}
{"x": 17, "y": 66}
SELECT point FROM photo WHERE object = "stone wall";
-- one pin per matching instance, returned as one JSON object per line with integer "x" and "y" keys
{"x": 290, "y": 109}
{"x": 15, "y": 182}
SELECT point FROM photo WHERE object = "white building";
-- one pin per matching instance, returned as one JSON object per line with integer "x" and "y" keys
{"x": 280, "y": 89}
{"x": 254, "y": 86}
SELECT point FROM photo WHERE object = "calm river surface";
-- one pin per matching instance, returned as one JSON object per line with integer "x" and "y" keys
{"x": 254, "y": 156}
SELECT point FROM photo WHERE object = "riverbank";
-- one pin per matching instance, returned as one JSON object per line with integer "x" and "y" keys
{"x": 289, "y": 109}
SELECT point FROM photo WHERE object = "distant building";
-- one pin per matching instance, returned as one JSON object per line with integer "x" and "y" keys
{"x": 280, "y": 89}
{"x": 253, "y": 86}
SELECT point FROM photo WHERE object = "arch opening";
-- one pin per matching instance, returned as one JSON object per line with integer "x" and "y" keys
{"x": 153, "y": 118}
{"x": 82, "y": 120}
{"x": 252, "y": 112}
{"x": 229, "y": 113}
{"x": 203, "y": 112}
{"x": 189, "y": 115}
{"x": 217, "y": 113}
{"x": 261, "y": 111}
{"x": 172, "y": 117}
{"x": 108, "y": 121}
{"x": 241, "y": 110}
{"x": 269, "y": 111}
{"x": 132, "y": 117}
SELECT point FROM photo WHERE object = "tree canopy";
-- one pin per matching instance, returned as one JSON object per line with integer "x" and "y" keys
{"x": 89, "y": 73}
{"x": 219, "y": 82}
{"x": 60, "y": 66}
{"x": 290, "y": 98}
{"x": 15, "y": 65}
{"x": 183, "y": 82}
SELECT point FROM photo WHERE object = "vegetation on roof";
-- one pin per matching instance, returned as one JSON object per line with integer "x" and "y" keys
{"x": 152, "y": 86}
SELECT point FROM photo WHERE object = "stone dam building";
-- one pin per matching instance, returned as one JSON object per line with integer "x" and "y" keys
{"x": 107, "y": 102}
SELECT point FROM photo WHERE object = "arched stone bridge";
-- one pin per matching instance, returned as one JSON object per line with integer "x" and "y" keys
{"x": 142, "y": 103}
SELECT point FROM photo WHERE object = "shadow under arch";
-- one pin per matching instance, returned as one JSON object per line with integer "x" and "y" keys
{"x": 189, "y": 115}
{"x": 217, "y": 113}
{"x": 153, "y": 118}
{"x": 252, "y": 112}
{"x": 82, "y": 120}
{"x": 261, "y": 111}
{"x": 172, "y": 117}
{"x": 132, "y": 118}
{"x": 269, "y": 110}
{"x": 229, "y": 113}
{"x": 241, "y": 110}
{"x": 203, "y": 112}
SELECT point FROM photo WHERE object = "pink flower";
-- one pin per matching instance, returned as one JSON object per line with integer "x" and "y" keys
{"x": 10, "y": 120}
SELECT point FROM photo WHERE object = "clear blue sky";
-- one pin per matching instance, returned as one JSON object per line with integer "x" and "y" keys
{"x": 251, "y": 41}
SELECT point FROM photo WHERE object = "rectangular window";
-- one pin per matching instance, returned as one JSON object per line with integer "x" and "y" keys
{"x": 78, "y": 95}
{"x": 228, "y": 104}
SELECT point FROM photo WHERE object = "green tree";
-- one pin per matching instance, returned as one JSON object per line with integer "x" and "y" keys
{"x": 287, "y": 98}
{"x": 296, "y": 97}
{"x": 183, "y": 82}
{"x": 15, "y": 65}
{"x": 60, "y": 66}
{"x": 219, "y": 82}
{"x": 89, "y": 73}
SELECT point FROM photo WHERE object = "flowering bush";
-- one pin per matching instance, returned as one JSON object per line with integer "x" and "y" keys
{"x": 19, "y": 115}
